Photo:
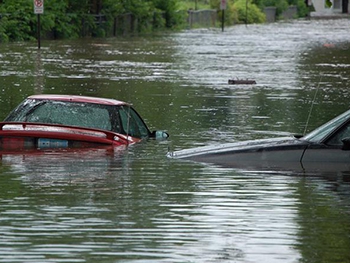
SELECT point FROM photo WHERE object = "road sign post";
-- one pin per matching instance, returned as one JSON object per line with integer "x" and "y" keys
{"x": 38, "y": 10}
{"x": 222, "y": 7}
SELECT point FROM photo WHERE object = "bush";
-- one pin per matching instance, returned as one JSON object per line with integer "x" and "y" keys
{"x": 281, "y": 5}
{"x": 230, "y": 14}
{"x": 236, "y": 11}
{"x": 58, "y": 22}
{"x": 18, "y": 22}
{"x": 248, "y": 12}
{"x": 76, "y": 18}
{"x": 303, "y": 9}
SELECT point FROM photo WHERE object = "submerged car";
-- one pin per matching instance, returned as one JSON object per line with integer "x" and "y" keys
{"x": 68, "y": 121}
{"x": 327, "y": 148}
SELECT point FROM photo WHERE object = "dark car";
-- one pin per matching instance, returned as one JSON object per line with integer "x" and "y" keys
{"x": 325, "y": 148}
{"x": 67, "y": 121}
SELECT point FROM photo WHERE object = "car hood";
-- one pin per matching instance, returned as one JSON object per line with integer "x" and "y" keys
{"x": 237, "y": 147}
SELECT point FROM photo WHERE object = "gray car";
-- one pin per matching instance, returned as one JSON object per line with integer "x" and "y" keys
{"x": 327, "y": 148}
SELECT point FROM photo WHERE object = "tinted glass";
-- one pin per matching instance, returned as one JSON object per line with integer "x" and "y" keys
{"x": 121, "y": 119}
{"x": 132, "y": 123}
{"x": 66, "y": 113}
{"x": 337, "y": 138}
{"x": 322, "y": 133}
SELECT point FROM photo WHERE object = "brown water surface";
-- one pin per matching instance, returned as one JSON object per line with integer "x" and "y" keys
{"x": 139, "y": 206}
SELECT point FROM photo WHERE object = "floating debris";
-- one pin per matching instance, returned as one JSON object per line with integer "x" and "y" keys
{"x": 241, "y": 81}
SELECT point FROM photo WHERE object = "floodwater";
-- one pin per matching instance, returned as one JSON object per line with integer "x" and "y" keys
{"x": 139, "y": 206}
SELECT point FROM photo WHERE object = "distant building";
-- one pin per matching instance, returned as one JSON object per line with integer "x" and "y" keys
{"x": 331, "y": 7}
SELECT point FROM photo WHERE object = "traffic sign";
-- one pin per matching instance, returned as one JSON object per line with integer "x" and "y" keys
{"x": 38, "y": 6}
{"x": 223, "y": 5}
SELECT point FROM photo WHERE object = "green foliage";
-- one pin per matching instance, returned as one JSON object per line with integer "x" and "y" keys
{"x": 17, "y": 21}
{"x": 169, "y": 8}
{"x": 57, "y": 21}
{"x": 237, "y": 11}
{"x": 112, "y": 8}
{"x": 248, "y": 12}
{"x": 328, "y": 3}
{"x": 3, "y": 35}
{"x": 303, "y": 10}
{"x": 193, "y": 4}
{"x": 255, "y": 7}
{"x": 214, "y": 4}
{"x": 281, "y": 5}
{"x": 76, "y": 18}
{"x": 231, "y": 15}
{"x": 143, "y": 11}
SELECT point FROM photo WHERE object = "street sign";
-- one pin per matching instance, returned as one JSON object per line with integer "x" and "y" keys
{"x": 38, "y": 10}
{"x": 223, "y": 4}
{"x": 38, "y": 6}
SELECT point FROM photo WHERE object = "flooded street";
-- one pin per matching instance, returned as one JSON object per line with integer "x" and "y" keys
{"x": 139, "y": 206}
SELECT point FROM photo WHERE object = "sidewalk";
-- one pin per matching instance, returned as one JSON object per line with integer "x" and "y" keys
{"x": 328, "y": 15}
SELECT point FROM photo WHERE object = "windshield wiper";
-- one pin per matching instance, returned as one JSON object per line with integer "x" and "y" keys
{"x": 40, "y": 103}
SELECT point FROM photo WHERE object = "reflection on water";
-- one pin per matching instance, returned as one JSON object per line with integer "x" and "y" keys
{"x": 83, "y": 210}
{"x": 104, "y": 213}
{"x": 137, "y": 205}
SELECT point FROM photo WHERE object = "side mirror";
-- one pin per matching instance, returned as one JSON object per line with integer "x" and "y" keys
{"x": 298, "y": 136}
{"x": 159, "y": 135}
{"x": 346, "y": 144}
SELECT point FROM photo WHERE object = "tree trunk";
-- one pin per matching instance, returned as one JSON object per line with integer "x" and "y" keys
{"x": 96, "y": 6}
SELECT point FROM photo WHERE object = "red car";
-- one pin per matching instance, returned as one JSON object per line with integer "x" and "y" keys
{"x": 67, "y": 121}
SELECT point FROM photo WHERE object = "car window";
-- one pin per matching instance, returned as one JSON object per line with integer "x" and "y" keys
{"x": 68, "y": 113}
{"x": 337, "y": 138}
{"x": 132, "y": 123}
{"x": 107, "y": 117}
{"x": 322, "y": 132}
{"x": 27, "y": 106}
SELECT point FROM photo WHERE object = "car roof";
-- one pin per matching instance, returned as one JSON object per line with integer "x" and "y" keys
{"x": 77, "y": 98}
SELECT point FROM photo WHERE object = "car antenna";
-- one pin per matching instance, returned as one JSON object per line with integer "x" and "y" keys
{"x": 312, "y": 105}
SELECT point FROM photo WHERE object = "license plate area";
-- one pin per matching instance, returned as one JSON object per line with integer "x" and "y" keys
{"x": 52, "y": 143}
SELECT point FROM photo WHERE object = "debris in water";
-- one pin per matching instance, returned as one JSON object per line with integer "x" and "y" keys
{"x": 241, "y": 81}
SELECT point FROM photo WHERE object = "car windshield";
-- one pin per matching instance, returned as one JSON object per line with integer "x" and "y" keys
{"x": 120, "y": 119}
{"x": 324, "y": 131}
